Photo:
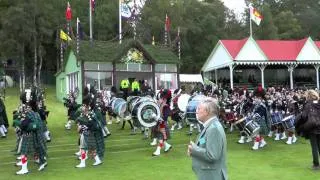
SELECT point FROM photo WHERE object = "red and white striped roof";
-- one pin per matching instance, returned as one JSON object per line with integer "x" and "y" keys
{"x": 250, "y": 51}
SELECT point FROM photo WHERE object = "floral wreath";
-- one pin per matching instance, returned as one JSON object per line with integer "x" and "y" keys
{"x": 133, "y": 56}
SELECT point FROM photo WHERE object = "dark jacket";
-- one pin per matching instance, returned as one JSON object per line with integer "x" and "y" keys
{"x": 308, "y": 121}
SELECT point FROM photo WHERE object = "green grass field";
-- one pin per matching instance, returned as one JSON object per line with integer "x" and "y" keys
{"x": 129, "y": 157}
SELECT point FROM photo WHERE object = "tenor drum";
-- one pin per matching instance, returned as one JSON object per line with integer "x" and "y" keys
{"x": 288, "y": 122}
{"x": 191, "y": 109}
{"x": 145, "y": 114}
{"x": 119, "y": 106}
{"x": 183, "y": 102}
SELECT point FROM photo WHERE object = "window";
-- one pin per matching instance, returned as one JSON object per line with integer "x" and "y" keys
{"x": 166, "y": 68}
{"x": 166, "y": 80}
{"x": 134, "y": 67}
{"x": 72, "y": 82}
{"x": 61, "y": 84}
{"x": 91, "y": 66}
{"x": 104, "y": 79}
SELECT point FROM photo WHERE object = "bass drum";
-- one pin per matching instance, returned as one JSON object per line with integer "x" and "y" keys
{"x": 182, "y": 102}
{"x": 145, "y": 114}
{"x": 131, "y": 101}
{"x": 191, "y": 109}
{"x": 119, "y": 106}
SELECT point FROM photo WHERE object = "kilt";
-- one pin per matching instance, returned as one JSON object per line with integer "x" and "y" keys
{"x": 26, "y": 144}
{"x": 160, "y": 131}
{"x": 2, "y": 121}
{"x": 40, "y": 144}
{"x": 100, "y": 146}
{"x": 264, "y": 129}
{"x": 175, "y": 115}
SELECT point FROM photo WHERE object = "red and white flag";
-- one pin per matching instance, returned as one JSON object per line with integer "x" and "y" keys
{"x": 68, "y": 12}
{"x": 255, "y": 16}
{"x": 167, "y": 25}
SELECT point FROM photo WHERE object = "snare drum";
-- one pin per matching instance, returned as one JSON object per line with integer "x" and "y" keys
{"x": 252, "y": 128}
{"x": 241, "y": 124}
{"x": 276, "y": 118}
{"x": 288, "y": 122}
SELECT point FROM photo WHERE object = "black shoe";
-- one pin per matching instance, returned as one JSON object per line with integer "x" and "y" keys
{"x": 315, "y": 167}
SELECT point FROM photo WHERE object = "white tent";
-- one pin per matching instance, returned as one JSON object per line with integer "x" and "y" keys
{"x": 9, "y": 82}
{"x": 190, "y": 78}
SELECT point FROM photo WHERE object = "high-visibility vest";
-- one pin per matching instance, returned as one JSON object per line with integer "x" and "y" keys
{"x": 135, "y": 86}
{"x": 125, "y": 83}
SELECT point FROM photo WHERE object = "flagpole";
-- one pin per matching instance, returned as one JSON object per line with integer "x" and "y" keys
{"x": 165, "y": 32}
{"x": 120, "y": 23}
{"x": 134, "y": 20}
{"x": 90, "y": 21}
{"x": 179, "y": 44}
{"x": 250, "y": 20}
{"x": 78, "y": 38}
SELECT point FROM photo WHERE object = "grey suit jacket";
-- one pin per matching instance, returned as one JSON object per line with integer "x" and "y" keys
{"x": 209, "y": 153}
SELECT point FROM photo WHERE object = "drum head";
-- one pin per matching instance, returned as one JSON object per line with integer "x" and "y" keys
{"x": 191, "y": 111}
{"x": 146, "y": 113}
{"x": 183, "y": 102}
{"x": 119, "y": 106}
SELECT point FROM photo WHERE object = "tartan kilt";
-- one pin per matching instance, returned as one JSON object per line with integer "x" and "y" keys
{"x": 2, "y": 122}
{"x": 264, "y": 129}
{"x": 92, "y": 145}
{"x": 100, "y": 146}
{"x": 40, "y": 143}
{"x": 160, "y": 132}
{"x": 26, "y": 144}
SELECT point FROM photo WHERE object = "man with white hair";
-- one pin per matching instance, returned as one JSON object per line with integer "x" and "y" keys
{"x": 209, "y": 151}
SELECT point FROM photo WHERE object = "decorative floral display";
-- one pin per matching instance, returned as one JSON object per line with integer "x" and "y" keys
{"x": 133, "y": 56}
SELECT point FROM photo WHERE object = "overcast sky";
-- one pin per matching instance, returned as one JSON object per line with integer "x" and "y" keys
{"x": 236, "y": 5}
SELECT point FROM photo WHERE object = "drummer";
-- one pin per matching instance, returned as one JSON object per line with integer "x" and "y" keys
{"x": 292, "y": 110}
{"x": 160, "y": 132}
{"x": 260, "y": 115}
{"x": 175, "y": 113}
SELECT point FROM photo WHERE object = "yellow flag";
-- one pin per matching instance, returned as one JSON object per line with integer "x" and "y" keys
{"x": 64, "y": 36}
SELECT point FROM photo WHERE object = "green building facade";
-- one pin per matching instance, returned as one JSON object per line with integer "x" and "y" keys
{"x": 108, "y": 63}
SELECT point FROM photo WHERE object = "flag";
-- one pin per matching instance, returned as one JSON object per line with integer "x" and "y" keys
{"x": 125, "y": 10}
{"x": 68, "y": 12}
{"x": 255, "y": 16}
{"x": 64, "y": 36}
{"x": 93, "y": 4}
{"x": 167, "y": 24}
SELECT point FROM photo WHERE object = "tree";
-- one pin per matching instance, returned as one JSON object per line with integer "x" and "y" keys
{"x": 288, "y": 26}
